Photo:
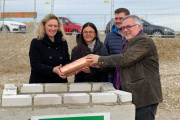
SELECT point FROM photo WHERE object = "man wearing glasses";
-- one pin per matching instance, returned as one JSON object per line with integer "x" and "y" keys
{"x": 114, "y": 39}
{"x": 138, "y": 68}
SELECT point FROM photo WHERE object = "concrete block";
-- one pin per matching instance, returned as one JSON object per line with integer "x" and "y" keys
{"x": 10, "y": 86}
{"x": 75, "y": 98}
{"x": 56, "y": 87}
{"x": 104, "y": 97}
{"x": 10, "y": 92}
{"x": 31, "y": 88}
{"x": 17, "y": 100}
{"x": 80, "y": 87}
{"x": 97, "y": 86}
{"x": 123, "y": 96}
{"x": 47, "y": 99}
{"x": 107, "y": 87}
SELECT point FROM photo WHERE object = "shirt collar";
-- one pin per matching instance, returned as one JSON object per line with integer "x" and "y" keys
{"x": 139, "y": 32}
{"x": 91, "y": 46}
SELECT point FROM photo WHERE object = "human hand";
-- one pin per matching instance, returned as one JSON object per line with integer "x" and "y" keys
{"x": 77, "y": 72}
{"x": 58, "y": 71}
{"x": 86, "y": 69}
{"x": 61, "y": 74}
{"x": 93, "y": 59}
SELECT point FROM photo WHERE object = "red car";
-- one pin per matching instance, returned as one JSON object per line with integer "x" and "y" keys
{"x": 70, "y": 27}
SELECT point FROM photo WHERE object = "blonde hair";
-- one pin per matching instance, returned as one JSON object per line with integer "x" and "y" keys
{"x": 41, "y": 27}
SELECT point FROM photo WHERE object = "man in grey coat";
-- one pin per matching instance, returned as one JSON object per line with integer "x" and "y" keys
{"x": 137, "y": 68}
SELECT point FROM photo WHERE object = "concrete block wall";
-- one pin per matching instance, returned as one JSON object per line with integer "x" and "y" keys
{"x": 16, "y": 100}
{"x": 47, "y": 99}
{"x": 31, "y": 88}
{"x": 63, "y": 96}
{"x": 76, "y": 98}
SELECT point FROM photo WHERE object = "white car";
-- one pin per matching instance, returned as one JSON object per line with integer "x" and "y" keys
{"x": 12, "y": 27}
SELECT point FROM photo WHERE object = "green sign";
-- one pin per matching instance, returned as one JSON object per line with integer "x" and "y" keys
{"x": 78, "y": 118}
{"x": 85, "y": 116}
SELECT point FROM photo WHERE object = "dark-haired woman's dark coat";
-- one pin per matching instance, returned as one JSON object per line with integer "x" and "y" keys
{"x": 44, "y": 56}
{"x": 96, "y": 75}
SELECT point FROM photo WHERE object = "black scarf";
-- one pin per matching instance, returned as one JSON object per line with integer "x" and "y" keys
{"x": 57, "y": 40}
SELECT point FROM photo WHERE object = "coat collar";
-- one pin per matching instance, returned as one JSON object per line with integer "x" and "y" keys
{"x": 97, "y": 45}
{"x": 57, "y": 40}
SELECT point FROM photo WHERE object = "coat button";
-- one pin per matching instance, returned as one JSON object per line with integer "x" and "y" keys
{"x": 49, "y": 47}
{"x": 60, "y": 57}
{"x": 50, "y": 57}
{"x": 56, "y": 48}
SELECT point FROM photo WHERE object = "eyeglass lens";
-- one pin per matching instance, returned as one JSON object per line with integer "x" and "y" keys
{"x": 128, "y": 27}
{"x": 86, "y": 32}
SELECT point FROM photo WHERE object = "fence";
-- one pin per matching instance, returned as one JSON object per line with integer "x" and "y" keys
{"x": 160, "y": 12}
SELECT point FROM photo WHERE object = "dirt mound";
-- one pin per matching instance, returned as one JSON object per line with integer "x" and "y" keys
{"x": 168, "y": 49}
{"x": 31, "y": 26}
{"x": 14, "y": 50}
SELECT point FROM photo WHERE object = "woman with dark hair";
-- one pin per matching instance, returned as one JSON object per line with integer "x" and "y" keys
{"x": 89, "y": 43}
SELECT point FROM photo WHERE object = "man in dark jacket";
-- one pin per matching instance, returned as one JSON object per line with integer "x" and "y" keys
{"x": 114, "y": 39}
{"x": 138, "y": 68}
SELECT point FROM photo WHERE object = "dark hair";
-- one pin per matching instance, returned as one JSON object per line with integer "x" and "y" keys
{"x": 77, "y": 38}
{"x": 82, "y": 46}
{"x": 122, "y": 10}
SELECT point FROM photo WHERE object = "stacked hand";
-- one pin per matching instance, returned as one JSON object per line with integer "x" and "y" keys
{"x": 58, "y": 71}
{"x": 86, "y": 69}
{"x": 93, "y": 59}
{"x": 90, "y": 58}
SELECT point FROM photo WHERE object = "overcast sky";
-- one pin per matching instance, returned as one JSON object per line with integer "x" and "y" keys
{"x": 160, "y": 12}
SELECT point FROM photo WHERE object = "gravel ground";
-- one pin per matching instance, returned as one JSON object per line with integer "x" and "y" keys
{"x": 15, "y": 69}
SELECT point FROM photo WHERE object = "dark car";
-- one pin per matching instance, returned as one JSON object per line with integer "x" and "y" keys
{"x": 108, "y": 26}
{"x": 70, "y": 27}
{"x": 150, "y": 29}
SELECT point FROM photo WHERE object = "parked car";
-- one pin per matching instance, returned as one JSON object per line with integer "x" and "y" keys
{"x": 11, "y": 26}
{"x": 150, "y": 29}
{"x": 108, "y": 26}
{"x": 70, "y": 27}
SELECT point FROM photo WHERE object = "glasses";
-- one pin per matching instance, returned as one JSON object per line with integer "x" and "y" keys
{"x": 86, "y": 32}
{"x": 120, "y": 18}
{"x": 128, "y": 27}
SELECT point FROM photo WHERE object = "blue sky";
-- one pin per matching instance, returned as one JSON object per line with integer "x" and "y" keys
{"x": 159, "y": 12}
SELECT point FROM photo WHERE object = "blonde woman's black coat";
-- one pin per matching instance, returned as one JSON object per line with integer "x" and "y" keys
{"x": 44, "y": 56}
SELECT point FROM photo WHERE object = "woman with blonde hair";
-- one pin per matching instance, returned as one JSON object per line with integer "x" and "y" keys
{"x": 48, "y": 52}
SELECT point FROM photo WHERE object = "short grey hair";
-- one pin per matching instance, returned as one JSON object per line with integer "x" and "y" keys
{"x": 136, "y": 19}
